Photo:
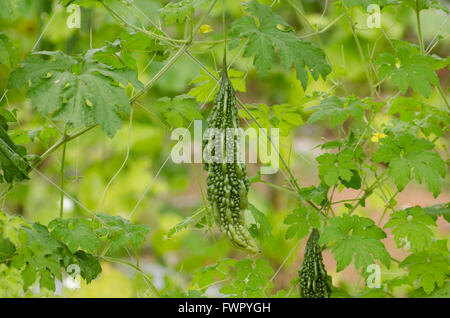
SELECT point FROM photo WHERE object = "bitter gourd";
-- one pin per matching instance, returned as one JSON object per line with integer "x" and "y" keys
{"x": 312, "y": 273}
{"x": 227, "y": 181}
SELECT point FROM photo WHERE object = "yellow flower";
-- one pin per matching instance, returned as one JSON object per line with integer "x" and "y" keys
{"x": 377, "y": 136}
{"x": 205, "y": 28}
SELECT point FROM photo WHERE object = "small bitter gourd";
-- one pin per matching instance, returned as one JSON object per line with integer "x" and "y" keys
{"x": 227, "y": 181}
{"x": 312, "y": 274}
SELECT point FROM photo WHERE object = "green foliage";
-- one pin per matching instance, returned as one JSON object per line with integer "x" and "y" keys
{"x": 357, "y": 239}
{"x": 261, "y": 230}
{"x": 80, "y": 92}
{"x": 411, "y": 157}
{"x": 409, "y": 68}
{"x": 379, "y": 122}
{"x": 428, "y": 118}
{"x": 121, "y": 52}
{"x": 10, "y": 282}
{"x": 119, "y": 231}
{"x": 365, "y": 3}
{"x": 178, "y": 12}
{"x": 206, "y": 87}
{"x": 425, "y": 4}
{"x": 178, "y": 111}
{"x": 284, "y": 117}
{"x": 264, "y": 31}
{"x": 251, "y": 279}
{"x": 8, "y": 52}
{"x": 341, "y": 167}
{"x": 301, "y": 221}
{"x": 13, "y": 163}
{"x": 338, "y": 110}
{"x": 439, "y": 209}
{"x": 411, "y": 227}
{"x": 38, "y": 252}
{"x": 429, "y": 268}
{"x": 75, "y": 233}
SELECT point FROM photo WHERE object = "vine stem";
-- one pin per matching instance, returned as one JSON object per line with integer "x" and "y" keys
{"x": 386, "y": 208}
{"x": 367, "y": 192}
{"x": 361, "y": 53}
{"x": 290, "y": 191}
{"x": 419, "y": 28}
{"x": 63, "y": 160}
{"x": 124, "y": 23}
{"x": 205, "y": 204}
{"x": 444, "y": 98}
{"x": 291, "y": 178}
{"x": 145, "y": 275}
{"x": 61, "y": 142}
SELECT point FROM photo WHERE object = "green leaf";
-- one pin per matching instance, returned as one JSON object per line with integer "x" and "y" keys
{"x": 263, "y": 34}
{"x": 9, "y": 54}
{"x": 409, "y": 68}
{"x": 38, "y": 254}
{"x": 80, "y": 92}
{"x": 365, "y": 3}
{"x": 120, "y": 231}
{"x": 251, "y": 279}
{"x": 284, "y": 117}
{"x": 356, "y": 239}
{"x": 440, "y": 292}
{"x": 342, "y": 166}
{"x": 10, "y": 227}
{"x": 316, "y": 194}
{"x": 411, "y": 227}
{"x": 10, "y": 282}
{"x": 301, "y": 221}
{"x": 261, "y": 230}
{"x": 425, "y": 5}
{"x": 208, "y": 274}
{"x": 438, "y": 209}
{"x": 411, "y": 157}
{"x": 178, "y": 12}
{"x": 430, "y": 269}
{"x": 89, "y": 266}
{"x": 206, "y": 87}
{"x": 12, "y": 162}
{"x": 338, "y": 110}
{"x": 76, "y": 234}
{"x": 179, "y": 110}
{"x": 7, "y": 250}
{"x": 119, "y": 54}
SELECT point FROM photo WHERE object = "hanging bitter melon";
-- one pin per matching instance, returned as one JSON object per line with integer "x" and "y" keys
{"x": 227, "y": 181}
{"x": 312, "y": 273}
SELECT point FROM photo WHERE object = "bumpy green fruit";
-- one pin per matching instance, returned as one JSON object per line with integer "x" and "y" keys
{"x": 312, "y": 274}
{"x": 227, "y": 181}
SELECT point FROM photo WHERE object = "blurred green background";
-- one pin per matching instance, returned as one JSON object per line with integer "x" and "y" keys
{"x": 93, "y": 159}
